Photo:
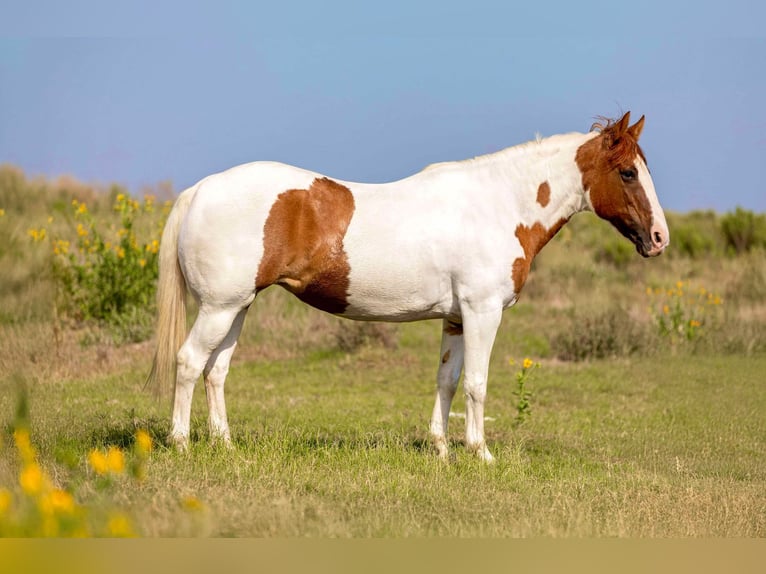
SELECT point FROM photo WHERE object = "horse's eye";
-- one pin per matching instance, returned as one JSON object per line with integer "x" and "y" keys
{"x": 628, "y": 174}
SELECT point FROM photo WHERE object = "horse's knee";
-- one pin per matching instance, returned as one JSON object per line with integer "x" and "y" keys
{"x": 188, "y": 367}
{"x": 475, "y": 388}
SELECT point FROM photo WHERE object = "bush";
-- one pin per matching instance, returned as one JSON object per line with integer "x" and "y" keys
{"x": 611, "y": 333}
{"x": 108, "y": 279}
{"x": 616, "y": 251}
{"x": 743, "y": 230}
{"x": 352, "y": 335}
{"x": 689, "y": 241}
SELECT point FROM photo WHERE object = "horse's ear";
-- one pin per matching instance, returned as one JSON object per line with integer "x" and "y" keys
{"x": 622, "y": 125}
{"x": 635, "y": 129}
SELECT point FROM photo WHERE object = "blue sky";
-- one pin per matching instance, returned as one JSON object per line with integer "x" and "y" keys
{"x": 374, "y": 92}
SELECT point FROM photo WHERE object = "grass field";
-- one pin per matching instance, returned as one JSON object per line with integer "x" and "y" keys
{"x": 653, "y": 435}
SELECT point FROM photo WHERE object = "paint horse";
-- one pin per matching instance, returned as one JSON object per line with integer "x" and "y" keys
{"x": 453, "y": 242}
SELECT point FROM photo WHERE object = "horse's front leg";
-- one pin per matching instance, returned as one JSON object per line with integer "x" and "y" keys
{"x": 450, "y": 367}
{"x": 479, "y": 330}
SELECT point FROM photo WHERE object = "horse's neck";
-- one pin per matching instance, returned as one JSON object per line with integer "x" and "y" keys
{"x": 539, "y": 182}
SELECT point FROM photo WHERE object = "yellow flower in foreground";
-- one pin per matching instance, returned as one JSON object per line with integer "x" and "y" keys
{"x": 694, "y": 323}
{"x": 115, "y": 460}
{"x": 143, "y": 441}
{"x": 31, "y": 479}
{"x": 2, "y": 213}
{"x": 98, "y": 462}
{"x": 62, "y": 502}
{"x": 5, "y": 501}
{"x": 528, "y": 363}
{"x": 192, "y": 504}
{"x": 81, "y": 231}
{"x": 119, "y": 526}
{"x": 24, "y": 445}
{"x": 82, "y": 208}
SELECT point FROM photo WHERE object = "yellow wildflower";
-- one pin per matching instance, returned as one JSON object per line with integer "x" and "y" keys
{"x": 119, "y": 526}
{"x": 2, "y": 213}
{"x": 694, "y": 323}
{"x": 679, "y": 284}
{"x": 143, "y": 441}
{"x": 36, "y": 234}
{"x": 31, "y": 479}
{"x": 120, "y": 252}
{"x": 62, "y": 502}
{"x": 24, "y": 445}
{"x": 528, "y": 363}
{"x": 665, "y": 309}
{"x": 120, "y": 197}
{"x": 61, "y": 247}
{"x": 82, "y": 208}
{"x": 5, "y": 500}
{"x": 115, "y": 460}
{"x": 81, "y": 231}
{"x": 192, "y": 504}
{"x": 142, "y": 262}
{"x": 98, "y": 462}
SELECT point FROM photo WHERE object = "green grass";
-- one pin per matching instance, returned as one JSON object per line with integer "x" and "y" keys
{"x": 663, "y": 436}
{"x": 336, "y": 445}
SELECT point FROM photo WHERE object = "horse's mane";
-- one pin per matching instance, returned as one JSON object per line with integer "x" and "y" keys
{"x": 620, "y": 148}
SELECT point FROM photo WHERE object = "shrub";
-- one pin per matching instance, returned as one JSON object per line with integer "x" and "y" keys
{"x": 610, "y": 333}
{"x": 109, "y": 279}
{"x": 616, "y": 251}
{"x": 689, "y": 241}
{"x": 352, "y": 335}
{"x": 743, "y": 230}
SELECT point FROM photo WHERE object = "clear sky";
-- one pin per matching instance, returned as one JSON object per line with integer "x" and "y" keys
{"x": 375, "y": 91}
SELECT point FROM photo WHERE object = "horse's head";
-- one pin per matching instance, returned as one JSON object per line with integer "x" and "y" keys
{"x": 618, "y": 186}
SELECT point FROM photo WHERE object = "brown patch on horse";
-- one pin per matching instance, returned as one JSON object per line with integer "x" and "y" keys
{"x": 532, "y": 240}
{"x": 303, "y": 244}
{"x": 544, "y": 193}
{"x": 453, "y": 328}
{"x": 600, "y": 160}
{"x": 446, "y": 356}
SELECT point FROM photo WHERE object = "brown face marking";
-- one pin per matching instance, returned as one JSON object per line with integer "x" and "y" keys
{"x": 620, "y": 201}
{"x": 544, "y": 193}
{"x": 453, "y": 328}
{"x": 532, "y": 240}
{"x": 303, "y": 244}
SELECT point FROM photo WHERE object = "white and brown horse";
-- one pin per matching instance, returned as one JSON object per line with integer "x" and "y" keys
{"x": 454, "y": 242}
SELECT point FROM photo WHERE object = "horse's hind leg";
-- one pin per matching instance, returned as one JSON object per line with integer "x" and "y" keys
{"x": 450, "y": 367}
{"x": 215, "y": 375}
{"x": 209, "y": 331}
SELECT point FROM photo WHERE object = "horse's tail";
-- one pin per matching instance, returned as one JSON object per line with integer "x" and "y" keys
{"x": 171, "y": 302}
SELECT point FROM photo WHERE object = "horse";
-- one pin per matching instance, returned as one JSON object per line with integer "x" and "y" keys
{"x": 454, "y": 242}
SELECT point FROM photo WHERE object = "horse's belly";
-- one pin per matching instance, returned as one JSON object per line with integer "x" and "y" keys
{"x": 389, "y": 290}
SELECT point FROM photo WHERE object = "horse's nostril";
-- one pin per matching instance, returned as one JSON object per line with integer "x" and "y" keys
{"x": 657, "y": 237}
